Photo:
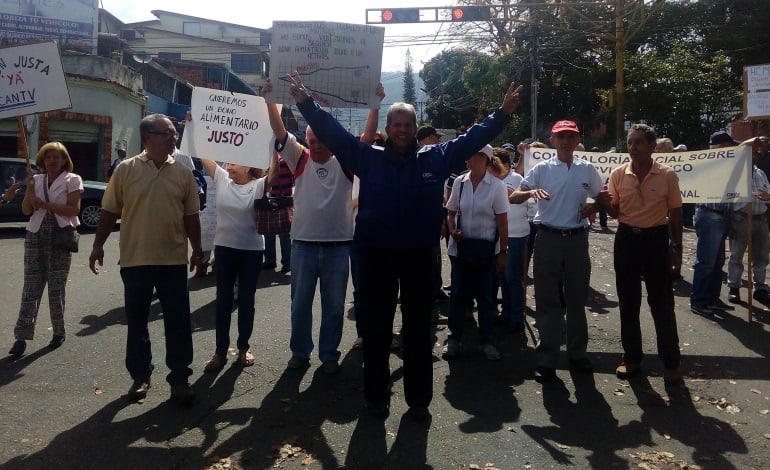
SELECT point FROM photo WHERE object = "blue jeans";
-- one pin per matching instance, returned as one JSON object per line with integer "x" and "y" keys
{"x": 711, "y": 229}
{"x": 760, "y": 248}
{"x": 469, "y": 284}
{"x": 170, "y": 282}
{"x": 232, "y": 265}
{"x": 270, "y": 253}
{"x": 511, "y": 282}
{"x": 312, "y": 262}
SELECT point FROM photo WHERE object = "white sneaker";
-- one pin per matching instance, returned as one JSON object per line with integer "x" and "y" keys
{"x": 451, "y": 348}
{"x": 490, "y": 352}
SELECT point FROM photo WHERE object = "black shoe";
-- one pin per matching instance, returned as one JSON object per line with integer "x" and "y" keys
{"x": 139, "y": 389}
{"x": 379, "y": 411}
{"x": 418, "y": 413}
{"x": 581, "y": 365}
{"x": 734, "y": 297}
{"x": 442, "y": 296}
{"x": 56, "y": 341}
{"x": 297, "y": 362}
{"x": 762, "y": 296}
{"x": 705, "y": 309}
{"x": 545, "y": 374}
{"x": 183, "y": 395}
{"x": 721, "y": 305}
{"x": 513, "y": 328}
{"x": 285, "y": 269}
{"x": 439, "y": 319}
{"x": 18, "y": 347}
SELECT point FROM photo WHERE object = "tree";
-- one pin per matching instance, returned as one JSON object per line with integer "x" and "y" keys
{"x": 450, "y": 105}
{"x": 685, "y": 94}
{"x": 410, "y": 93}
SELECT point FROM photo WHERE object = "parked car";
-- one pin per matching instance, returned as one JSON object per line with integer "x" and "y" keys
{"x": 15, "y": 169}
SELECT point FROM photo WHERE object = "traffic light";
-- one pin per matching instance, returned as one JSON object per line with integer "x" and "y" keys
{"x": 471, "y": 13}
{"x": 401, "y": 15}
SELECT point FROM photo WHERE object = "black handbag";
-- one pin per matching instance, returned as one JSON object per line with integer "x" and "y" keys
{"x": 474, "y": 253}
{"x": 64, "y": 238}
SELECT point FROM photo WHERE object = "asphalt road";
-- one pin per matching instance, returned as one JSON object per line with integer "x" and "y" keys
{"x": 67, "y": 408}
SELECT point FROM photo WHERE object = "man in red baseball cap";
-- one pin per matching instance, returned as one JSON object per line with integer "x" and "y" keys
{"x": 562, "y": 266}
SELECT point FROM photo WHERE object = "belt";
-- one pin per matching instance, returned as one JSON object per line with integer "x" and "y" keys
{"x": 564, "y": 232}
{"x": 630, "y": 228}
{"x": 340, "y": 243}
{"x": 715, "y": 211}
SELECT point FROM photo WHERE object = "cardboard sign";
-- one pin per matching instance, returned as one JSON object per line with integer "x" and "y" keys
{"x": 756, "y": 92}
{"x": 32, "y": 80}
{"x": 228, "y": 127}
{"x": 339, "y": 63}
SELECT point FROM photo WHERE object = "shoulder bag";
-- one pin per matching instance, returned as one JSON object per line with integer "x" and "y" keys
{"x": 64, "y": 238}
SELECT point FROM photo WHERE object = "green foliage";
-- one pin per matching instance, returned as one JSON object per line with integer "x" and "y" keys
{"x": 686, "y": 93}
{"x": 683, "y": 66}
{"x": 451, "y": 105}
{"x": 410, "y": 92}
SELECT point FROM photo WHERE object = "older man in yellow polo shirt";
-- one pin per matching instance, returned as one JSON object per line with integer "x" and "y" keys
{"x": 647, "y": 202}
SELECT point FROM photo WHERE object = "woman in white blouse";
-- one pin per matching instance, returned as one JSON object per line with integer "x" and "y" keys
{"x": 511, "y": 280}
{"x": 239, "y": 250}
{"x": 477, "y": 216}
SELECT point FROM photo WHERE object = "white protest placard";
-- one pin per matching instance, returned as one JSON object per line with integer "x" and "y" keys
{"x": 32, "y": 80}
{"x": 756, "y": 91}
{"x": 228, "y": 127}
{"x": 339, "y": 63}
{"x": 715, "y": 175}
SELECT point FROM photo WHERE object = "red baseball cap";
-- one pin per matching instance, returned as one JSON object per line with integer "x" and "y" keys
{"x": 565, "y": 126}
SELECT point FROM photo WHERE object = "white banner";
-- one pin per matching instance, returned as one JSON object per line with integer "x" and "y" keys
{"x": 32, "y": 80}
{"x": 715, "y": 175}
{"x": 339, "y": 63}
{"x": 228, "y": 127}
{"x": 209, "y": 215}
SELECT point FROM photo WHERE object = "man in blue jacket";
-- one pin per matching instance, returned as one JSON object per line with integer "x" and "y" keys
{"x": 398, "y": 222}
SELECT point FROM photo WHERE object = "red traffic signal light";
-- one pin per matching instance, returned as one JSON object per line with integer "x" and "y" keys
{"x": 401, "y": 15}
{"x": 471, "y": 13}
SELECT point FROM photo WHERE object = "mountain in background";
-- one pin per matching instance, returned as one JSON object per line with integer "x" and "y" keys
{"x": 393, "y": 82}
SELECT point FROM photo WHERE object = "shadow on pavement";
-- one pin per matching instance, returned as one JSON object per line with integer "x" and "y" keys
{"x": 710, "y": 438}
{"x": 587, "y": 423}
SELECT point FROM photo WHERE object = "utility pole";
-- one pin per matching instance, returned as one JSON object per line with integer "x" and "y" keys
{"x": 534, "y": 71}
{"x": 620, "y": 88}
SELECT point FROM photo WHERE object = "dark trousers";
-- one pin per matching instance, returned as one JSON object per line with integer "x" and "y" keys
{"x": 645, "y": 253}
{"x": 382, "y": 273}
{"x": 170, "y": 282}
{"x": 470, "y": 284}
{"x": 243, "y": 265}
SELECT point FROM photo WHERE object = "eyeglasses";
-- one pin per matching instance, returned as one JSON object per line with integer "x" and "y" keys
{"x": 164, "y": 133}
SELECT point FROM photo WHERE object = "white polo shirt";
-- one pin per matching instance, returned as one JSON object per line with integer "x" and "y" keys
{"x": 323, "y": 201}
{"x": 478, "y": 208}
{"x": 568, "y": 186}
